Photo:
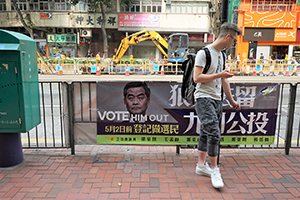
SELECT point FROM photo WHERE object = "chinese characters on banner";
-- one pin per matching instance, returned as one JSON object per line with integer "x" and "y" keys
{"x": 139, "y": 20}
{"x": 169, "y": 120}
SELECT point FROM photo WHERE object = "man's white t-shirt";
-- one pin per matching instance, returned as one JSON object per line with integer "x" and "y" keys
{"x": 210, "y": 89}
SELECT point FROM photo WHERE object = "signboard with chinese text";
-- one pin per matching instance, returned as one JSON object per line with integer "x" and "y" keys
{"x": 169, "y": 120}
{"x": 94, "y": 20}
{"x": 259, "y": 34}
{"x": 65, "y": 38}
{"x": 283, "y": 34}
{"x": 61, "y": 38}
{"x": 139, "y": 20}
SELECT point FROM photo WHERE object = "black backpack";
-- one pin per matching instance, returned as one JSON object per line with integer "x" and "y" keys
{"x": 188, "y": 85}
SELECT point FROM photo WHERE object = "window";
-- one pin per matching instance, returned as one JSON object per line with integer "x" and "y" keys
{"x": 21, "y": 4}
{"x": 187, "y": 7}
{"x": 143, "y": 6}
{"x": 41, "y": 5}
{"x": 272, "y": 5}
{"x": 61, "y": 5}
{"x": 2, "y": 5}
{"x": 82, "y": 6}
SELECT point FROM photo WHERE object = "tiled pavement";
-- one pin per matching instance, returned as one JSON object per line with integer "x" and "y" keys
{"x": 149, "y": 172}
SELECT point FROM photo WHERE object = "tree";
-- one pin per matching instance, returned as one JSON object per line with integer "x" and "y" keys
{"x": 29, "y": 25}
{"x": 215, "y": 17}
{"x": 26, "y": 21}
{"x": 102, "y": 5}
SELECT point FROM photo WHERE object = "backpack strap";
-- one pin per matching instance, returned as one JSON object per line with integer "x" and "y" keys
{"x": 208, "y": 60}
{"x": 224, "y": 59}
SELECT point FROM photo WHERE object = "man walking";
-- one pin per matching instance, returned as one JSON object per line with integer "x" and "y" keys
{"x": 209, "y": 103}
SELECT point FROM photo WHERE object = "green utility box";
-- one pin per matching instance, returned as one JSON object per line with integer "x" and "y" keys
{"x": 19, "y": 87}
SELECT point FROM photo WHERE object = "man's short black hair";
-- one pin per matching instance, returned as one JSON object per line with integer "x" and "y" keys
{"x": 136, "y": 84}
{"x": 229, "y": 28}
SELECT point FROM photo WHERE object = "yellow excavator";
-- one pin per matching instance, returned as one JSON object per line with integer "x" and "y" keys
{"x": 175, "y": 48}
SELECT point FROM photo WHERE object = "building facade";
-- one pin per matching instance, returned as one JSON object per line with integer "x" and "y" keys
{"x": 76, "y": 30}
{"x": 270, "y": 28}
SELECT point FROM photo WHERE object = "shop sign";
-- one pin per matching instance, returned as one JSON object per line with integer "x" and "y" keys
{"x": 282, "y": 34}
{"x": 46, "y": 15}
{"x": 65, "y": 38}
{"x": 61, "y": 38}
{"x": 94, "y": 20}
{"x": 50, "y": 38}
{"x": 139, "y": 20}
{"x": 81, "y": 41}
{"x": 259, "y": 34}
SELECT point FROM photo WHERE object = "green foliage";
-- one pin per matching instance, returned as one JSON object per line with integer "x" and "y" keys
{"x": 30, "y": 24}
{"x": 126, "y": 3}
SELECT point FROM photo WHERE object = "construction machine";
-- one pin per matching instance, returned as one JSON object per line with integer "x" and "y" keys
{"x": 175, "y": 48}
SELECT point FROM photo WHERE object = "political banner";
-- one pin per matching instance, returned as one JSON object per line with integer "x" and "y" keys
{"x": 153, "y": 113}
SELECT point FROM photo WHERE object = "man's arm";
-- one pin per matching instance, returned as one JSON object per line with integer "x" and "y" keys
{"x": 227, "y": 91}
{"x": 199, "y": 77}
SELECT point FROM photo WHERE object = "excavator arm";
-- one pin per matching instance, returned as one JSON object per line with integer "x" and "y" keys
{"x": 141, "y": 36}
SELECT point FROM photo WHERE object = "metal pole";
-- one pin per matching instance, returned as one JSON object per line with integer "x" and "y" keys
{"x": 224, "y": 11}
{"x": 177, "y": 149}
{"x": 290, "y": 118}
{"x": 70, "y": 98}
{"x": 11, "y": 153}
{"x": 224, "y": 18}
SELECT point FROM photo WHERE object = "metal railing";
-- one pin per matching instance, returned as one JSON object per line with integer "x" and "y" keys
{"x": 264, "y": 67}
{"x": 57, "y": 113}
{"x": 50, "y": 133}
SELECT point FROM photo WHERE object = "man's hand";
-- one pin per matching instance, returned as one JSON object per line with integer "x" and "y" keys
{"x": 235, "y": 105}
{"x": 226, "y": 74}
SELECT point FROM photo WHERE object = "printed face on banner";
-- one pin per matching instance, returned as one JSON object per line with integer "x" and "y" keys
{"x": 136, "y": 101}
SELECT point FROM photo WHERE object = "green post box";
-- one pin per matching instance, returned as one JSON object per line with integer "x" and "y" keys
{"x": 19, "y": 93}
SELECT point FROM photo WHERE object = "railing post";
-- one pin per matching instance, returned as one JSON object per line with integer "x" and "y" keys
{"x": 177, "y": 149}
{"x": 70, "y": 100}
{"x": 176, "y": 67}
{"x": 290, "y": 118}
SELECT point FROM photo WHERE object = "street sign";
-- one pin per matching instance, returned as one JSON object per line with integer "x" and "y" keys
{"x": 46, "y": 15}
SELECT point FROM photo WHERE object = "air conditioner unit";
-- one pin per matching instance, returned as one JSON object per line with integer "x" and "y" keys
{"x": 69, "y": 30}
{"x": 85, "y": 33}
{"x": 60, "y": 30}
{"x": 212, "y": 10}
{"x": 50, "y": 30}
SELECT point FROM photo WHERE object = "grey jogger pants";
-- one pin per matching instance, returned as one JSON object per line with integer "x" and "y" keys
{"x": 209, "y": 112}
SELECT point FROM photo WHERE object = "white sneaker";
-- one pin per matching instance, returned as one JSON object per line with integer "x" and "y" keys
{"x": 204, "y": 170}
{"x": 216, "y": 178}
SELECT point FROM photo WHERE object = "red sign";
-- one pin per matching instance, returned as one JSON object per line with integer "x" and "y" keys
{"x": 82, "y": 41}
{"x": 139, "y": 20}
{"x": 46, "y": 15}
{"x": 298, "y": 35}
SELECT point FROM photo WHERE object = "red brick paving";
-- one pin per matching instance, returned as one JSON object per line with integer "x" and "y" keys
{"x": 149, "y": 172}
